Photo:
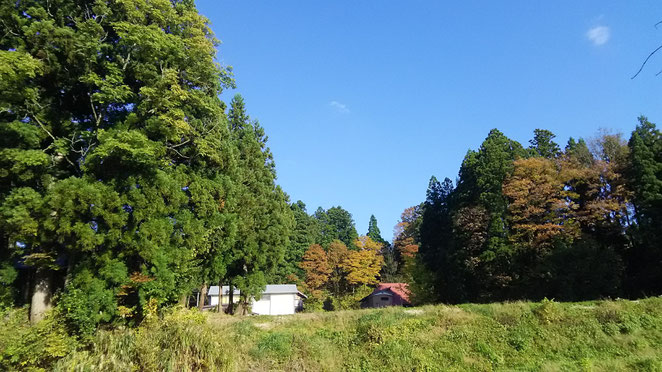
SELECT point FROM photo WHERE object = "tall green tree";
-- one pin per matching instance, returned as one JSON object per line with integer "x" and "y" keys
{"x": 304, "y": 233}
{"x": 373, "y": 230}
{"x": 336, "y": 223}
{"x": 437, "y": 246}
{"x": 479, "y": 188}
{"x": 118, "y": 169}
{"x": 264, "y": 217}
{"x": 645, "y": 180}
{"x": 543, "y": 144}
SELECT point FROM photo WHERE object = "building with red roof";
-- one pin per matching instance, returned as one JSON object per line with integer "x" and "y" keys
{"x": 388, "y": 294}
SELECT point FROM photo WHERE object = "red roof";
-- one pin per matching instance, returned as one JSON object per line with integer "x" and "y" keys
{"x": 400, "y": 292}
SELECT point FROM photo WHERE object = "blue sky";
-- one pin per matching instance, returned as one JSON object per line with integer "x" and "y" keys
{"x": 364, "y": 100}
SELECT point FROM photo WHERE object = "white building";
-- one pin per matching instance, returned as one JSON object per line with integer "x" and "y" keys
{"x": 276, "y": 299}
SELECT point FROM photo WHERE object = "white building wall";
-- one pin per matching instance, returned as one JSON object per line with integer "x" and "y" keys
{"x": 282, "y": 304}
{"x": 274, "y": 304}
{"x": 269, "y": 304}
{"x": 262, "y": 306}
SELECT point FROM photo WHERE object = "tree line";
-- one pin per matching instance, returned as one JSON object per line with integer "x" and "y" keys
{"x": 126, "y": 184}
{"x": 578, "y": 223}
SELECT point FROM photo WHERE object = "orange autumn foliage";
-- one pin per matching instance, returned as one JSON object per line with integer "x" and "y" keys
{"x": 539, "y": 209}
{"x": 316, "y": 266}
{"x": 337, "y": 254}
{"x": 404, "y": 231}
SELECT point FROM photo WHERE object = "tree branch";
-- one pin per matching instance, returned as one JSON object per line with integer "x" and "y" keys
{"x": 42, "y": 126}
{"x": 645, "y": 61}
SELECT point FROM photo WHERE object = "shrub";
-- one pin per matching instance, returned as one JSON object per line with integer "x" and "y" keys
{"x": 7, "y": 276}
{"x": 181, "y": 340}
{"x": 86, "y": 302}
{"x": 36, "y": 348}
{"x": 547, "y": 311}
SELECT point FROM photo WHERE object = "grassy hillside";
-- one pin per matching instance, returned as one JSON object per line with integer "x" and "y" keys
{"x": 547, "y": 336}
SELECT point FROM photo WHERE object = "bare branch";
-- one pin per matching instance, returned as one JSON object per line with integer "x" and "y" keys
{"x": 645, "y": 61}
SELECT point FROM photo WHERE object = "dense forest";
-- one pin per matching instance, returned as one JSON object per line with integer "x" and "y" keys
{"x": 126, "y": 184}
{"x": 580, "y": 223}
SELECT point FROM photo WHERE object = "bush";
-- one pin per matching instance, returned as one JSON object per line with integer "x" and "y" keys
{"x": 181, "y": 340}
{"x": 547, "y": 311}
{"x": 87, "y": 302}
{"x": 35, "y": 348}
{"x": 7, "y": 276}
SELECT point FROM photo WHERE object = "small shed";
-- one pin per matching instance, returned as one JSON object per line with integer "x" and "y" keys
{"x": 276, "y": 299}
{"x": 388, "y": 294}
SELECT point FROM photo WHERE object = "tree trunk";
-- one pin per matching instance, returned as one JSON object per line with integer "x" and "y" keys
{"x": 70, "y": 271}
{"x": 203, "y": 295}
{"x": 219, "y": 305}
{"x": 26, "y": 286}
{"x": 244, "y": 306}
{"x": 231, "y": 299}
{"x": 42, "y": 294}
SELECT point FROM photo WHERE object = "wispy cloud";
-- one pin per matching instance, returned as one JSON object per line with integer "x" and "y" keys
{"x": 340, "y": 107}
{"x": 598, "y": 35}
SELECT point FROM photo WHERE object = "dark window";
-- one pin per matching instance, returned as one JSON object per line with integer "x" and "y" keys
{"x": 384, "y": 298}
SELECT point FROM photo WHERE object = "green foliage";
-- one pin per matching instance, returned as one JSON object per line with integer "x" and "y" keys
{"x": 180, "y": 341}
{"x": 526, "y": 224}
{"x": 437, "y": 248}
{"x": 423, "y": 283}
{"x": 547, "y": 311}
{"x": 373, "y": 230}
{"x": 87, "y": 301}
{"x": 8, "y": 275}
{"x": 347, "y": 301}
{"x": 264, "y": 218}
{"x": 645, "y": 181}
{"x": 274, "y": 345}
{"x": 121, "y": 174}
{"x": 336, "y": 224}
{"x": 305, "y": 232}
{"x": 34, "y": 348}
{"x": 543, "y": 144}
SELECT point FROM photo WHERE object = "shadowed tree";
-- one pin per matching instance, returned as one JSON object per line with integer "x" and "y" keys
{"x": 645, "y": 180}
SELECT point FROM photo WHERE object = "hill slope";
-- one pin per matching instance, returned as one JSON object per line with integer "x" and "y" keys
{"x": 609, "y": 335}
{"x": 549, "y": 336}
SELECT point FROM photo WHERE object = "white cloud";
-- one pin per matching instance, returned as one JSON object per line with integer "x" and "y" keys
{"x": 598, "y": 35}
{"x": 340, "y": 107}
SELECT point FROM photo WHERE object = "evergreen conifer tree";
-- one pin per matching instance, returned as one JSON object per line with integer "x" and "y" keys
{"x": 373, "y": 230}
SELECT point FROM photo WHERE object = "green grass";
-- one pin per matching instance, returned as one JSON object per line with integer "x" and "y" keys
{"x": 519, "y": 336}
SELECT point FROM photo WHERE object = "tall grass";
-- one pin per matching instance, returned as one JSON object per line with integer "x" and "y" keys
{"x": 544, "y": 336}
